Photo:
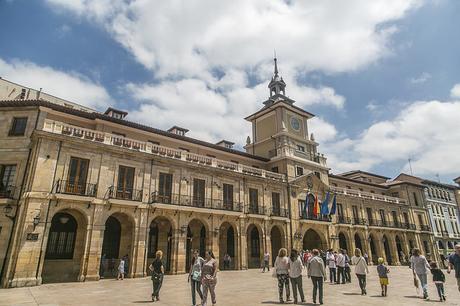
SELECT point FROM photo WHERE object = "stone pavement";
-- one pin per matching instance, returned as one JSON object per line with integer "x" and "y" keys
{"x": 234, "y": 288}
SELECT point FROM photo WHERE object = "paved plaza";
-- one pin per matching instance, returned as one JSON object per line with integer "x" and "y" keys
{"x": 234, "y": 288}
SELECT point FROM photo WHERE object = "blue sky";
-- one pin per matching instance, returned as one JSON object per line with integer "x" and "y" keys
{"x": 379, "y": 76}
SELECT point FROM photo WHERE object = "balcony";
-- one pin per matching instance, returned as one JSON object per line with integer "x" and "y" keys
{"x": 359, "y": 221}
{"x": 61, "y": 128}
{"x": 7, "y": 192}
{"x": 67, "y": 187}
{"x": 315, "y": 218}
{"x": 279, "y": 212}
{"x": 367, "y": 195}
{"x": 186, "y": 200}
{"x": 425, "y": 228}
{"x": 343, "y": 220}
{"x": 128, "y": 194}
{"x": 256, "y": 210}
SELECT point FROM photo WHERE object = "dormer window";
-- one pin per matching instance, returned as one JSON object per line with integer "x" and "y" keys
{"x": 178, "y": 130}
{"x": 300, "y": 148}
{"x": 115, "y": 113}
{"x": 226, "y": 144}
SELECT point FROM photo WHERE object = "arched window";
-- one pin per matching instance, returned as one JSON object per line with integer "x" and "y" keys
{"x": 61, "y": 240}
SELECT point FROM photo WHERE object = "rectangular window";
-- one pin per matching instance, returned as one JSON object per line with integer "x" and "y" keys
{"x": 406, "y": 218}
{"x": 415, "y": 199}
{"x": 228, "y": 196}
{"x": 395, "y": 217}
{"x": 18, "y": 128}
{"x": 420, "y": 220}
{"x": 369, "y": 214}
{"x": 275, "y": 169}
{"x": 300, "y": 148}
{"x": 355, "y": 212}
{"x": 78, "y": 172}
{"x": 165, "y": 187}
{"x": 198, "y": 192}
{"x": 7, "y": 174}
{"x": 253, "y": 200}
{"x": 339, "y": 210}
{"x": 299, "y": 171}
{"x": 382, "y": 216}
{"x": 125, "y": 183}
{"x": 276, "y": 206}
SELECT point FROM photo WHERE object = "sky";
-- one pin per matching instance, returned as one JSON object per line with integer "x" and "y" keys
{"x": 381, "y": 76}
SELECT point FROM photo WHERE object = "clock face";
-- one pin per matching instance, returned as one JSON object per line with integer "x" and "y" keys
{"x": 295, "y": 123}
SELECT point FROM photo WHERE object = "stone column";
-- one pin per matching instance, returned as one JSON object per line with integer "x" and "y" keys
{"x": 243, "y": 245}
{"x": 178, "y": 252}
{"x": 140, "y": 245}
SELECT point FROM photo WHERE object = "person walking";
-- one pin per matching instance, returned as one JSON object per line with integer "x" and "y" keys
{"x": 266, "y": 262}
{"x": 420, "y": 266}
{"x": 194, "y": 276}
{"x": 361, "y": 270}
{"x": 454, "y": 263}
{"x": 158, "y": 271}
{"x": 295, "y": 274}
{"x": 121, "y": 269}
{"x": 227, "y": 260}
{"x": 366, "y": 257}
{"x": 340, "y": 267}
{"x": 383, "y": 271}
{"x": 317, "y": 272}
{"x": 438, "y": 278}
{"x": 209, "y": 278}
{"x": 126, "y": 260}
{"x": 332, "y": 264}
{"x": 282, "y": 274}
{"x": 306, "y": 257}
{"x": 347, "y": 270}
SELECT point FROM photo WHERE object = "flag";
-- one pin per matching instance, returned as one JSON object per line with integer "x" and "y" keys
{"x": 316, "y": 207}
{"x": 334, "y": 205}
{"x": 325, "y": 205}
{"x": 305, "y": 208}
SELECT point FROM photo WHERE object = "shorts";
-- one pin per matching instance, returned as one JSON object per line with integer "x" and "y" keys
{"x": 384, "y": 281}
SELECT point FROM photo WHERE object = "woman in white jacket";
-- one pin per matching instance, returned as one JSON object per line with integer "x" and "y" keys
{"x": 360, "y": 270}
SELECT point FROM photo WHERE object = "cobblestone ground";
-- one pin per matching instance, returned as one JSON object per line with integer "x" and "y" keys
{"x": 242, "y": 288}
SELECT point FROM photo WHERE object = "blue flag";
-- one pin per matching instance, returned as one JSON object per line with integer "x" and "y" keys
{"x": 334, "y": 205}
{"x": 325, "y": 205}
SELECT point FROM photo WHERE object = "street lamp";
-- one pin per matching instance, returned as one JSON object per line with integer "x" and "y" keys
{"x": 298, "y": 236}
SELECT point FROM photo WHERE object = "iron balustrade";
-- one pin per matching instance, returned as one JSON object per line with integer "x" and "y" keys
{"x": 7, "y": 191}
{"x": 279, "y": 212}
{"x": 129, "y": 194}
{"x": 310, "y": 216}
{"x": 343, "y": 220}
{"x": 425, "y": 228}
{"x": 359, "y": 221}
{"x": 256, "y": 210}
{"x": 186, "y": 200}
{"x": 68, "y": 187}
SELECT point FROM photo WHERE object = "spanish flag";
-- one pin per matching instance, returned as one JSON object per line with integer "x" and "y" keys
{"x": 316, "y": 209}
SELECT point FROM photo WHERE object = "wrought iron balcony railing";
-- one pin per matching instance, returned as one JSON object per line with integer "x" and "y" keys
{"x": 343, "y": 220}
{"x": 186, "y": 200}
{"x": 125, "y": 194}
{"x": 359, "y": 221}
{"x": 68, "y": 187}
{"x": 425, "y": 228}
{"x": 7, "y": 191}
{"x": 279, "y": 212}
{"x": 255, "y": 209}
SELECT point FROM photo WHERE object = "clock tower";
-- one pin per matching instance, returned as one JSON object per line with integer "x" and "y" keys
{"x": 280, "y": 133}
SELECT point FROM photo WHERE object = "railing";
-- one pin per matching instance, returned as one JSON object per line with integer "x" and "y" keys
{"x": 279, "y": 212}
{"x": 255, "y": 209}
{"x": 343, "y": 220}
{"x": 147, "y": 147}
{"x": 425, "y": 228}
{"x": 323, "y": 218}
{"x": 186, "y": 200}
{"x": 359, "y": 221}
{"x": 384, "y": 223}
{"x": 125, "y": 194}
{"x": 67, "y": 187}
{"x": 7, "y": 191}
{"x": 367, "y": 195}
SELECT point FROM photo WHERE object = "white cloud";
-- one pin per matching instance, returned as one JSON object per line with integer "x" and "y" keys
{"x": 422, "y": 78}
{"x": 67, "y": 85}
{"x": 455, "y": 91}
{"x": 425, "y": 131}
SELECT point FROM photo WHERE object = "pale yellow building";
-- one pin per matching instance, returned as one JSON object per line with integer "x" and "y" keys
{"x": 81, "y": 189}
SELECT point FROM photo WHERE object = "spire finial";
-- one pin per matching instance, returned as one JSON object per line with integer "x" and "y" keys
{"x": 276, "y": 64}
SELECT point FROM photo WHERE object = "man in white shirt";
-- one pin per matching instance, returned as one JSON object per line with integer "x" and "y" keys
{"x": 332, "y": 264}
{"x": 340, "y": 267}
{"x": 266, "y": 262}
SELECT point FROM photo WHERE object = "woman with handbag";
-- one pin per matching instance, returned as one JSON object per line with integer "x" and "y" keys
{"x": 209, "y": 278}
{"x": 281, "y": 269}
{"x": 158, "y": 272}
{"x": 194, "y": 276}
{"x": 361, "y": 270}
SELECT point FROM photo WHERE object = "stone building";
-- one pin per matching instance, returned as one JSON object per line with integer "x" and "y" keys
{"x": 81, "y": 189}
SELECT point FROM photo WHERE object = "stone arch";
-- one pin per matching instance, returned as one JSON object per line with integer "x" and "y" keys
{"x": 197, "y": 239}
{"x": 118, "y": 242}
{"x": 276, "y": 241}
{"x": 313, "y": 240}
{"x": 387, "y": 249}
{"x": 65, "y": 249}
{"x": 343, "y": 242}
{"x": 254, "y": 245}
{"x": 228, "y": 244}
{"x": 160, "y": 237}
{"x": 373, "y": 248}
{"x": 359, "y": 243}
